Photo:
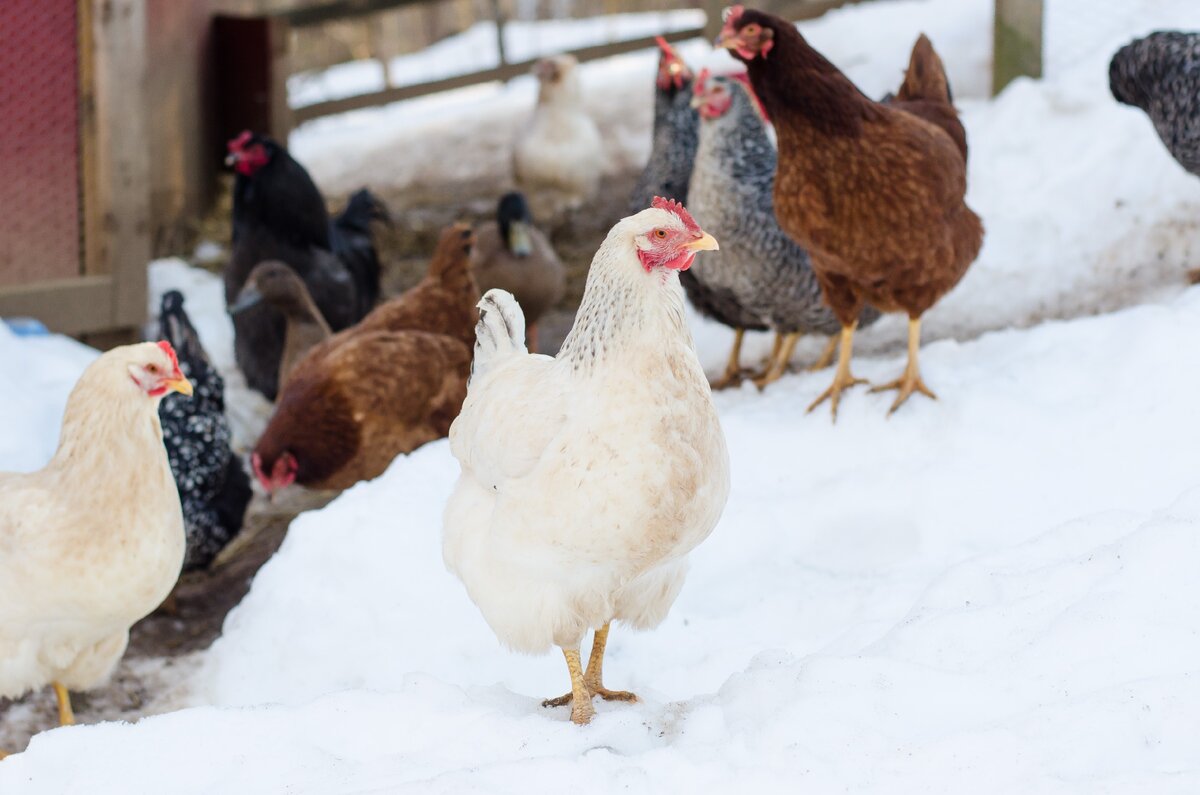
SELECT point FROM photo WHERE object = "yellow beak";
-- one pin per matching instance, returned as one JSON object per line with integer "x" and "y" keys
{"x": 180, "y": 385}
{"x": 705, "y": 243}
{"x": 724, "y": 42}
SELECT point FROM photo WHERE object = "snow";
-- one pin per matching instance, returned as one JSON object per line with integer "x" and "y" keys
{"x": 993, "y": 592}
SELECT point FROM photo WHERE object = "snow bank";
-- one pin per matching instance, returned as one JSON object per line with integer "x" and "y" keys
{"x": 985, "y": 592}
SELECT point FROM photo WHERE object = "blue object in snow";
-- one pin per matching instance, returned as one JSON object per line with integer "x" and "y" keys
{"x": 26, "y": 326}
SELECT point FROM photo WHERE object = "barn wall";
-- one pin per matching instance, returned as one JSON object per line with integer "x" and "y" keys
{"x": 183, "y": 151}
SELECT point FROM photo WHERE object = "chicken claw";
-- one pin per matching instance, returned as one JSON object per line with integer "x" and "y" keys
{"x": 579, "y": 698}
{"x": 733, "y": 371}
{"x": 911, "y": 380}
{"x": 778, "y": 363}
{"x": 593, "y": 677}
{"x": 826, "y": 357}
{"x": 842, "y": 379}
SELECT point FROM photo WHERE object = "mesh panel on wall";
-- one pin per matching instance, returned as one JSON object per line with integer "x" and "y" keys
{"x": 39, "y": 141}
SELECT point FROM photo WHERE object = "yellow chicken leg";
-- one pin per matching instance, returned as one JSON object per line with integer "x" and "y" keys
{"x": 593, "y": 677}
{"x": 579, "y": 698}
{"x": 733, "y": 368}
{"x": 826, "y": 357}
{"x": 66, "y": 715}
{"x": 778, "y": 363}
{"x": 911, "y": 380}
{"x": 842, "y": 379}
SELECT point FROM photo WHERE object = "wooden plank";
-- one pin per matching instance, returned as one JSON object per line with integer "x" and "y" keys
{"x": 507, "y": 72}
{"x": 122, "y": 168}
{"x": 1018, "y": 41}
{"x": 91, "y": 215}
{"x": 67, "y": 307}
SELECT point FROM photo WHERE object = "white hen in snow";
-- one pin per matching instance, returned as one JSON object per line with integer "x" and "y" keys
{"x": 587, "y": 478}
{"x": 559, "y": 156}
{"x": 94, "y": 541}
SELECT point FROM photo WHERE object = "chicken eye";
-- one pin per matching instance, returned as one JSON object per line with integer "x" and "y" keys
{"x": 152, "y": 369}
{"x": 751, "y": 29}
{"x": 661, "y": 234}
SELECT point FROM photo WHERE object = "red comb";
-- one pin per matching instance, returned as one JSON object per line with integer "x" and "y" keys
{"x": 672, "y": 206}
{"x": 239, "y": 143}
{"x": 169, "y": 351}
{"x": 666, "y": 48}
{"x": 705, "y": 73}
{"x": 731, "y": 14}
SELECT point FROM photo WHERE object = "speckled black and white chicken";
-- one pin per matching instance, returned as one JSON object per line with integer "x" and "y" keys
{"x": 731, "y": 194}
{"x": 668, "y": 173}
{"x": 214, "y": 489}
{"x": 1160, "y": 74}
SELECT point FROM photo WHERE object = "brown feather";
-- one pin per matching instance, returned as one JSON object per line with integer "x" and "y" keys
{"x": 875, "y": 193}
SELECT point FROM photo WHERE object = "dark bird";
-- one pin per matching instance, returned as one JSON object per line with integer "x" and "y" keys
{"x": 280, "y": 288}
{"x": 768, "y": 274}
{"x": 278, "y": 214}
{"x": 380, "y": 388}
{"x": 213, "y": 487}
{"x": 512, "y": 254}
{"x": 1161, "y": 75}
{"x": 668, "y": 173}
{"x": 874, "y": 193}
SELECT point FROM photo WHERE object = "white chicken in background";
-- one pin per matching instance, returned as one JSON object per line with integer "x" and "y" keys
{"x": 588, "y": 477}
{"x": 559, "y": 157}
{"x": 94, "y": 541}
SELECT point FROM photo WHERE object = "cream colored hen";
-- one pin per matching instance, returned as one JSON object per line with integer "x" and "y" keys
{"x": 587, "y": 478}
{"x": 559, "y": 157}
{"x": 94, "y": 541}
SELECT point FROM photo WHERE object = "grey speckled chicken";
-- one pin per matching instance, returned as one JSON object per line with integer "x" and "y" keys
{"x": 731, "y": 191}
{"x": 667, "y": 174}
{"x": 1161, "y": 75}
{"x": 214, "y": 489}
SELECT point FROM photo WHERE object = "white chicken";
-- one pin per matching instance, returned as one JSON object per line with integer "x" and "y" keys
{"x": 587, "y": 478}
{"x": 559, "y": 158}
{"x": 94, "y": 541}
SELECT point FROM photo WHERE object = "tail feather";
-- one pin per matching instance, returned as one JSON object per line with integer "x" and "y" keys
{"x": 354, "y": 244}
{"x": 926, "y": 76}
{"x": 500, "y": 332}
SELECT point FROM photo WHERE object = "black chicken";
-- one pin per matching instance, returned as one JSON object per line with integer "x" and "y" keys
{"x": 668, "y": 173}
{"x": 214, "y": 489}
{"x": 278, "y": 214}
{"x": 1161, "y": 75}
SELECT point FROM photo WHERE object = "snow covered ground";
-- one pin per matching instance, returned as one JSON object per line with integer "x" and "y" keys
{"x": 994, "y": 592}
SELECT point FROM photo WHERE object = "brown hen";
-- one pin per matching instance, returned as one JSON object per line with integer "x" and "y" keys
{"x": 384, "y": 387}
{"x": 874, "y": 192}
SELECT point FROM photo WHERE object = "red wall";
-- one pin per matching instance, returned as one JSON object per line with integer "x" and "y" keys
{"x": 39, "y": 141}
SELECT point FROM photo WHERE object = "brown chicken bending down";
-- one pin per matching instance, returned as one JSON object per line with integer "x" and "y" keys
{"x": 874, "y": 191}
{"x": 384, "y": 387}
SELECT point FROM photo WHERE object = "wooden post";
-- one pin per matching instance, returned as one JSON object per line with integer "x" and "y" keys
{"x": 121, "y": 191}
{"x": 498, "y": 16}
{"x": 713, "y": 10}
{"x": 1018, "y": 41}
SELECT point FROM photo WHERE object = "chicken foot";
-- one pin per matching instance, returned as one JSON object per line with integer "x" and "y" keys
{"x": 778, "y": 363}
{"x": 66, "y": 715}
{"x": 826, "y": 357}
{"x": 593, "y": 677}
{"x": 579, "y": 698}
{"x": 842, "y": 379}
{"x": 733, "y": 369}
{"x": 911, "y": 380}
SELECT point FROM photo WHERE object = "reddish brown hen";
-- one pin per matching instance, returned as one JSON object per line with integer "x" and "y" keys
{"x": 381, "y": 388}
{"x": 874, "y": 192}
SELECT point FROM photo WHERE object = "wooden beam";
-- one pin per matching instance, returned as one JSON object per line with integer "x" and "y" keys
{"x": 122, "y": 168}
{"x": 1018, "y": 41}
{"x": 67, "y": 307}
{"x": 507, "y": 72}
